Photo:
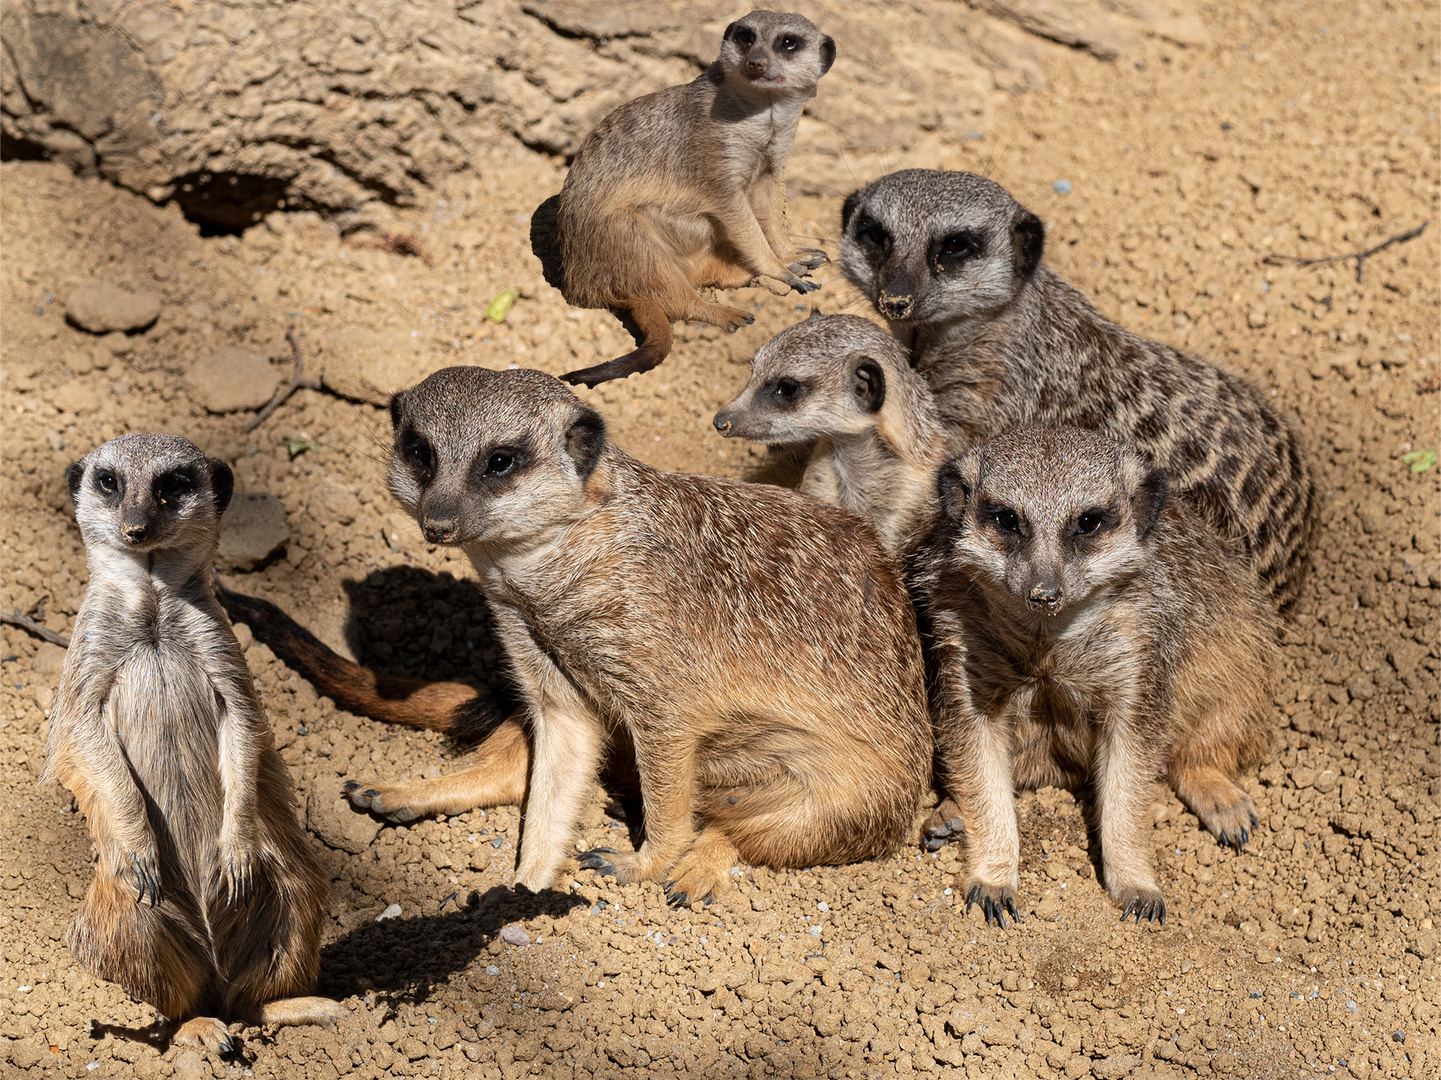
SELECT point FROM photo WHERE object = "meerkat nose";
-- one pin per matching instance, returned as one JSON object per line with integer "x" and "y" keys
{"x": 722, "y": 422}
{"x": 896, "y": 307}
{"x": 440, "y": 532}
{"x": 133, "y": 532}
{"x": 1045, "y": 598}
{"x": 757, "y": 65}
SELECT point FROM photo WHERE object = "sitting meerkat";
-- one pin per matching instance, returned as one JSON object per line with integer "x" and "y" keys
{"x": 685, "y": 188}
{"x": 206, "y": 902}
{"x": 846, "y": 386}
{"x": 756, "y": 647}
{"x": 954, "y": 264}
{"x": 1087, "y": 630}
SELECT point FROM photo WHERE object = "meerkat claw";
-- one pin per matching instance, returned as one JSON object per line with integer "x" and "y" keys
{"x": 595, "y": 859}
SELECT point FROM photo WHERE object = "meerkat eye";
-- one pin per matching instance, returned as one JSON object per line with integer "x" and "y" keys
{"x": 955, "y": 249}
{"x": 870, "y": 231}
{"x": 107, "y": 482}
{"x": 788, "y": 390}
{"x": 170, "y": 487}
{"x": 418, "y": 452}
{"x": 1090, "y": 522}
{"x": 743, "y": 37}
{"x": 500, "y": 463}
{"x": 790, "y": 43}
{"x": 1004, "y": 518}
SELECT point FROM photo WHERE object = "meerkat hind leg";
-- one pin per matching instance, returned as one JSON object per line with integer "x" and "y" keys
{"x": 703, "y": 872}
{"x": 1222, "y": 806}
{"x": 496, "y": 778}
{"x": 944, "y": 825}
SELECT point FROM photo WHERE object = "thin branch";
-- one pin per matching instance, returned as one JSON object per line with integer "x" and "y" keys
{"x": 297, "y": 382}
{"x": 16, "y": 619}
{"x": 1359, "y": 256}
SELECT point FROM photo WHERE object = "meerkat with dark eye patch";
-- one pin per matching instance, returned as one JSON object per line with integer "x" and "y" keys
{"x": 845, "y": 385}
{"x": 756, "y": 647}
{"x": 1087, "y": 630}
{"x": 206, "y": 902}
{"x": 685, "y": 187}
{"x": 953, "y": 262}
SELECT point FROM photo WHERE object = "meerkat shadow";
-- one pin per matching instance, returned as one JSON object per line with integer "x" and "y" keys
{"x": 408, "y": 622}
{"x": 407, "y": 959}
{"x": 545, "y": 244}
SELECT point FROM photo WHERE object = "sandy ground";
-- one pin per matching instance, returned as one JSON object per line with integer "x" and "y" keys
{"x": 1302, "y": 129}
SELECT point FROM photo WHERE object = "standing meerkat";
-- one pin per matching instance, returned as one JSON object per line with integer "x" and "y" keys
{"x": 845, "y": 385}
{"x": 1086, "y": 630}
{"x": 685, "y": 188}
{"x": 756, "y": 647}
{"x": 954, "y": 264}
{"x": 206, "y": 903}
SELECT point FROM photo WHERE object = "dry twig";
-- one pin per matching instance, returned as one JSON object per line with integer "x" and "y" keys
{"x": 1359, "y": 256}
{"x": 14, "y": 618}
{"x": 297, "y": 382}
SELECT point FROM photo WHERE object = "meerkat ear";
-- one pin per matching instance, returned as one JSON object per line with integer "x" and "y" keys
{"x": 730, "y": 30}
{"x": 828, "y": 53}
{"x": 870, "y": 387}
{"x": 1028, "y": 242}
{"x": 848, "y": 208}
{"x": 395, "y": 408}
{"x": 222, "y": 483}
{"x": 954, "y": 490}
{"x": 584, "y": 440}
{"x": 1148, "y": 502}
{"x": 73, "y": 475}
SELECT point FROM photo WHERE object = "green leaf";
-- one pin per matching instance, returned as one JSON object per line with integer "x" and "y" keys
{"x": 298, "y": 446}
{"x": 500, "y": 307}
{"x": 1420, "y": 460}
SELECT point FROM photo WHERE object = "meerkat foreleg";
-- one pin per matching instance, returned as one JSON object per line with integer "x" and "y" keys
{"x": 239, "y": 743}
{"x": 975, "y": 751}
{"x": 667, "y": 784}
{"x": 768, "y": 200}
{"x": 1125, "y": 790}
{"x": 567, "y": 741}
{"x": 744, "y": 232}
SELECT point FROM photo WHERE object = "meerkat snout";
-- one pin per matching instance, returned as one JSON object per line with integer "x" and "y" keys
{"x": 440, "y": 532}
{"x": 896, "y": 307}
{"x": 1047, "y": 598}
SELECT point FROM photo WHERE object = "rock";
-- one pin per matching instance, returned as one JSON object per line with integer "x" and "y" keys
{"x": 1361, "y": 688}
{"x": 76, "y": 397}
{"x": 252, "y": 530}
{"x": 514, "y": 934}
{"x": 375, "y": 365}
{"x": 391, "y": 912}
{"x": 1115, "y": 1066}
{"x": 191, "y": 1066}
{"x": 1256, "y": 317}
{"x": 232, "y": 380}
{"x": 330, "y": 501}
{"x": 100, "y": 307}
{"x": 49, "y": 660}
{"x": 340, "y": 825}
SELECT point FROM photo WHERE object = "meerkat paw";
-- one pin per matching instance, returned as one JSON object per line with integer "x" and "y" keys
{"x": 237, "y": 868}
{"x": 810, "y": 258}
{"x": 1143, "y": 903}
{"x": 627, "y": 867}
{"x": 206, "y": 1032}
{"x": 145, "y": 874}
{"x": 703, "y": 872}
{"x": 1223, "y": 808}
{"x": 732, "y": 319}
{"x": 994, "y": 900}
{"x": 387, "y": 802}
{"x": 801, "y": 285}
{"x": 943, "y": 826}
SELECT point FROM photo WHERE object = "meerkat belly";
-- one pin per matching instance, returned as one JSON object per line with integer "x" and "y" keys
{"x": 166, "y": 715}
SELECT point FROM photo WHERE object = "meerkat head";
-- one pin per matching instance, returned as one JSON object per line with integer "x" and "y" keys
{"x": 929, "y": 246}
{"x": 143, "y": 494}
{"x": 775, "y": 52}
{"x": 1049, "y": 516}
{"x": 820, "y": 378}
{"x": 492, "y": 457}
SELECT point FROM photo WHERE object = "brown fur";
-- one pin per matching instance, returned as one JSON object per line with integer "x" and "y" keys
{"x": 1074, "y": 656}
{"x": 206, "y": 902}
{"x": 954, "y": 263}
{"x": 685, "y": 188}
{"x": 756, "y": 647}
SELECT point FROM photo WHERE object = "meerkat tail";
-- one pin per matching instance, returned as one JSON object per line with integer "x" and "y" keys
{"x": 654, "y": 325}
{"x": 291, "y": 1012}
{"x": 455, "y": 709}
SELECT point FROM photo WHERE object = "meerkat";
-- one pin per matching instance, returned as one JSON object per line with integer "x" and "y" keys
{"x": 953, "y": 262}
{"x": 844, "y": 385}
{"x": 206, "y": 903}
{"x": 756, "y": 647}
{"x": 685, "y": 188}
{"x": 1086, "y": 629}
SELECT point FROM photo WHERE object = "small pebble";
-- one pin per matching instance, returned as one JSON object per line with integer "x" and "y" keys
{"x": 1062, "y": 187}
{"x": 823, "y": 906}
{"x": 814, "y": 931}
{"x": 514, "y": 934}
{"x": 492, "y": 970}
{"x": 389, "y": 913}
{"x": 1398, "y": 1036}
{"x": 974, "y": 135}
{"x": 497, "y": 842}
{"x": 1351, "y": 1006}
